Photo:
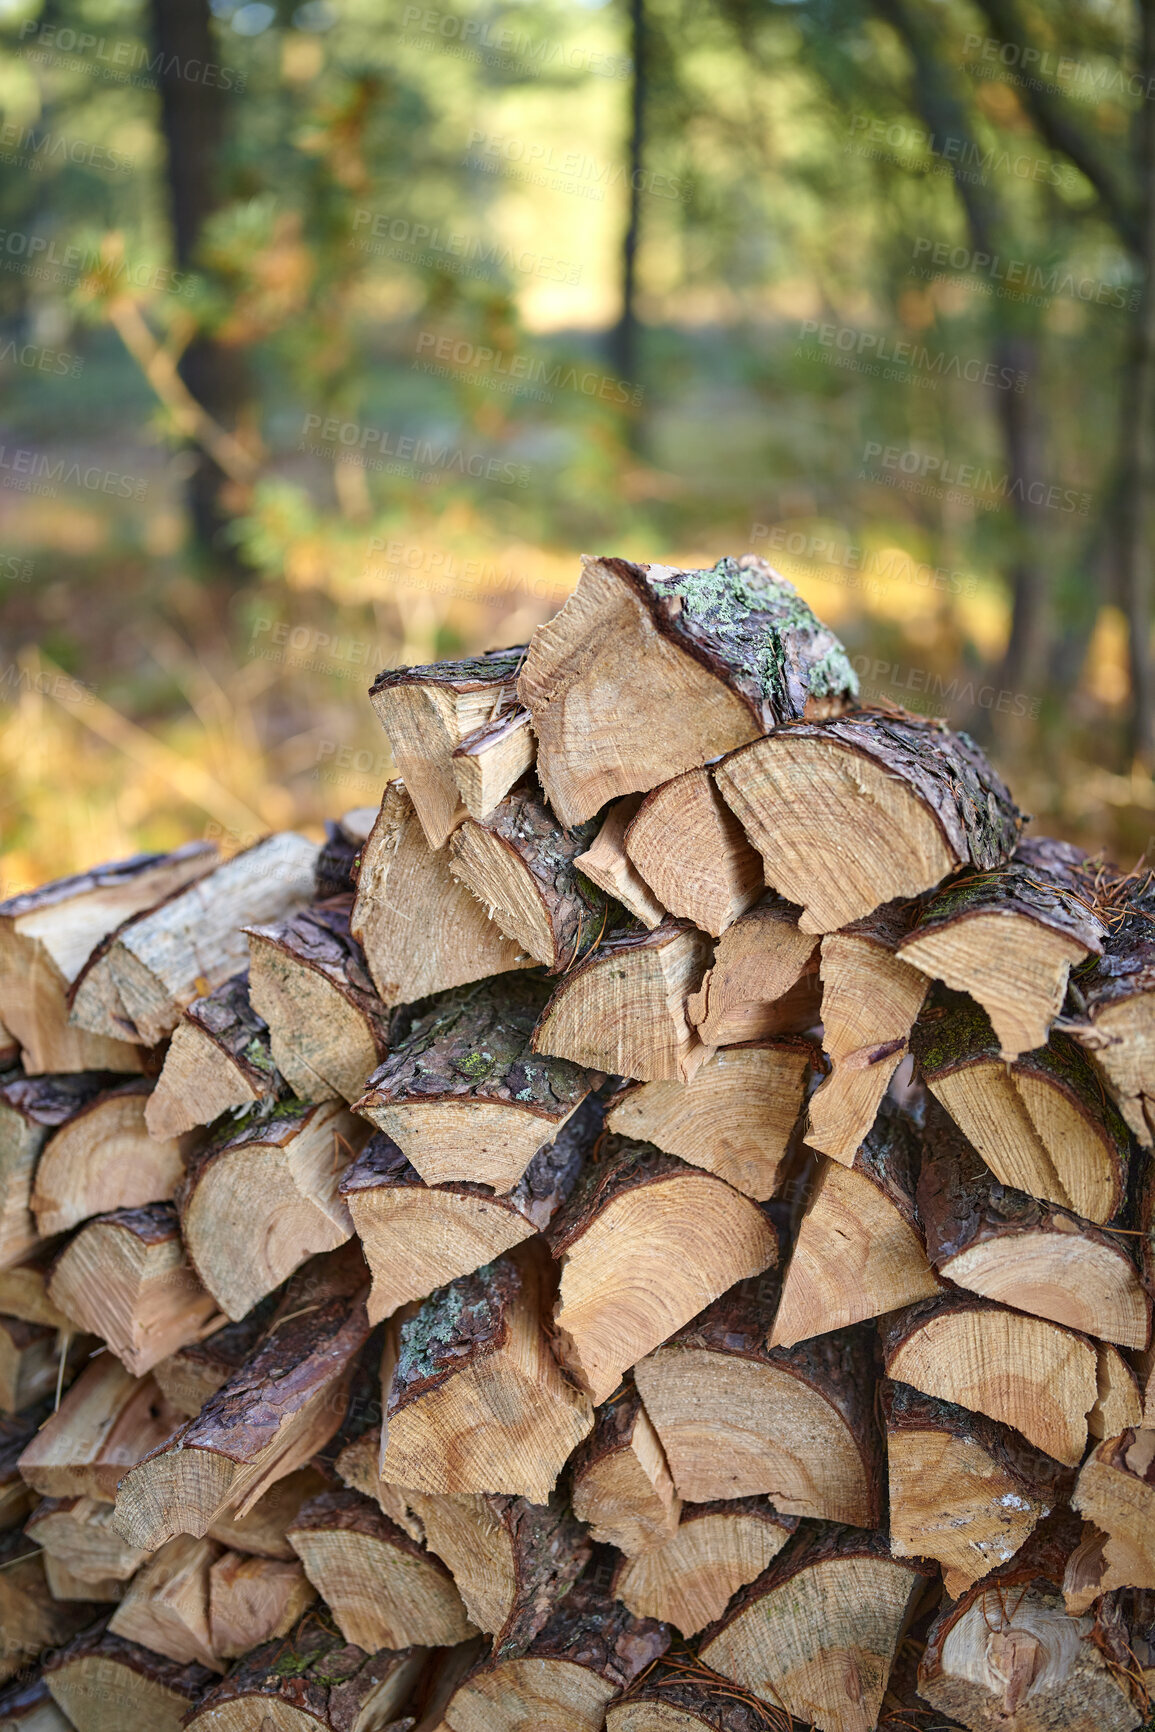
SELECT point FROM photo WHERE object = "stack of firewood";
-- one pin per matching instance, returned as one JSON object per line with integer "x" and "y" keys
{"x": 652, "y": 1228}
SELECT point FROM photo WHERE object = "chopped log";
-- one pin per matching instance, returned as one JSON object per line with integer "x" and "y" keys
{"x": 358, "y": 1467}
{"x": 30, "y": 1618}
{"x": 284, "y": 1403}
{"x": 262, "y": 1196}
{"x": 1010, "y": 938}
{"x": 623, "y": 1009}
{"x": 47, "y": 935}
{"x": 428, "y": 712}
{"x": 964, "y": 1490}
{"x": 520, "y": 865}
{"x": 135, "y": 985}
{"x": 166, "y": 1608}
{"x": 30, "y": 1361}
{"x": 645, "y": 1242}
{"x": 31, "y": 1108}
{"x": 103, "y": 1158}
{"x": 513, "y": 1561}
{"x": 591, "y": 1649}
{"x": 1007, "y": 1656}
{"x": 870, "y": 1001}
{"x": 308, "y": 980}
{"x": 16, "y": 1433}
{"x": 693, "y": 853}
{"x": 106, "y": 1423}
{"x": 253, "y": 1600}
{"x": 262, "y": 1533}
{"x": 717, "y": 1548}
{"x": 1120, "y": 1401}
{"x": 476, "y": 1400}
{"x": 816, "y": 1634}
{"x": 764, "y": 980}
{"x": 648, "y": 671}
{"x": 1042, "y": 1125}
{"x": 105, "y": 1683}
{"x": 621, "y": 1483}
{"x": 859, "y": 1251}
{"x": 188, "y": 1377}
{"x": 78, "y": 1532}
{"x": 64, "y": 1585}
{"x": 335, "y": 871}
{"x": 1117, "y": 997}
{"x": 383, "y": 1589}
{"x": 1031, "y": 1374}
{"x": 26, "y": 1705}
{"x": 491, "y": 759}
{"x": 606, "y": 863}
{"x": 126, "y": 1278}
{"x": 681, "y": 1695}
{"x": 1033, "y": 1256}
{"x": 463, "y": 1094}
{"x": 418, "y": 1237}
{"x": 735, "y": 1117}
{"x": 851, "y": 813}
{"x": 739, "y": 1419}
{"x": 421, "y": 929}
{"x": 1116, "y": 1491}
{"x": 24, "y": 1290}
{"x": 311, "y": 1681}
{"x": 219, "y": 1058}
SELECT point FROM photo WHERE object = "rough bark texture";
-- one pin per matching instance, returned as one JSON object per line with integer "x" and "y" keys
{"x": 335, "y": 872}
{"x": 220, "y": 1057}
{"x": 1045, "y": 881}
{"x": 691, "y": 1690}
{"x": 109, "y": 1681}
{"x": 189, "y": 1377}
{"x": 1116, "y": 995}
{"x": 31, "y": 1109}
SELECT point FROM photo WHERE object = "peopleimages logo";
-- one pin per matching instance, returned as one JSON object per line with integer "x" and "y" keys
{"x": 117, "y": 60}
{"x": 940, "y": 477}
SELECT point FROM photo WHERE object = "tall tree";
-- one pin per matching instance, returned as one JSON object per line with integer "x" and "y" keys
{"x": 624, "y": 336}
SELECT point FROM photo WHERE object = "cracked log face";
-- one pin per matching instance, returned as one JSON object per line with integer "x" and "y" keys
{"x": 31, "y": 1110}
{"x": 106, "y": 1423}
{"x": 606, "y": 864}
{"x": 621, "y": 1483}
{"x": 219, "y": 1058}
{"x": 647, "y": 671}
{"x": 1116, "y": 1491}
{"x": 106, "y": 1683}
{"x": 675, "y": 1699}
{"x": 691, "y": 850}
{"x": 763, "y": 981}
{"x": 252, "y": 1600}
{"x": 491, "y": 759}
{"x": 862, "y": 810}
{"x": 103, "y": 1158}
{"x": 716, "y": 1549}
{"x": 166, "y": 1608}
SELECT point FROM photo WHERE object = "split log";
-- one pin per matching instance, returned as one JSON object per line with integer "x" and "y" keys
{"x": 739, "y": 1419}
{"x": 420, "y": 928}
{"x": 262, "y": 1533}
{"x": 490, "y": 760}
{"x": 693, "y": 853}
{"x": 1116, "y": 1491}
{"x": 63, "y": 1585}
{"x": 188, "y": 1377}
{"x": 1117, "y": 998}
{"x": 859, "y": 1251}
{"x": 520, "y": 865}
{"x": 78, "y": 1532}
{"x": 284, "y": 1403}
{"x": 219, "y": 1058}
{"x": 591, "y": 1649}
{"x": 621, "y": 1483}
{"x": 1042, "y": 1125}
{"x": 1010, "y": 938}
{"x": 135, "y": 985}
{"x": 870, "y": 1002}
{"x": 645, "y": 1242}
{"x": 311, "y": 1681}
{"x": 383, "y": 1589}
{"x": 418, "y": 1237}
{"x": 464, "y": 1095}
{"x": 817, "y": 1633}
{"x": 106, "y": 1423}
{"x": 764, "y": 980}
{"x": 30, "y": 1361}
{"x": 262, "y": 1196}
{"x": 126, "y": 1278}
{"x": 428, "y": 712}
{"x": 476, "y": 1400}
{"x": 851, "y": 813}
{"x": 335, "y": 871}
{"x": 254, "y": 1600}
{"x": 47, "y": 935}
{"x": 735, "y": 1117}
{"x": 1120, "y": 1401}
{"x": 24, "y": 1290}
{"x": 16, "y": 1433}
{"x": 308, "y": 980}
{"x": 1031, "y": 1374}
{"x": 683, "y": 1696}
{"x": 31, "y": 1109}
{"x": 26, "y": 1705}
{"x": 623, "y": 1009}
{"x": 30, "y": 1618}
{"x": 606, "y": 863}
{"x": 1033, "y": 1256}
{"x": 166, "y": 1608}
{"x": 964, "y": 1490}
{"x": 648, "y": 671}
{"x": 717, "y": 1548}
{"x": 105, "y": 1683}
{"x": 103, "y": 1158}
{"x": 513, "y": 1561}
{"x": 1007, "y": 1656}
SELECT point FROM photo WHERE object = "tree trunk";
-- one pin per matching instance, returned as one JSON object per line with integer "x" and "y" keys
{"x": 1138, "y": 429}
{"x": 623, "y": 343}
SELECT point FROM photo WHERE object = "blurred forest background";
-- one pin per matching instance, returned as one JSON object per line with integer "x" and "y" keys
{"x": 331, "y": 333}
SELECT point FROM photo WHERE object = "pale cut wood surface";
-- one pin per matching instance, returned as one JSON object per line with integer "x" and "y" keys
{"x": 691, "y": 850}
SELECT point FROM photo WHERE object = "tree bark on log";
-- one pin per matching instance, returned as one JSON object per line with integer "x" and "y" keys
{"x": 166, "y": 1608}
{"x": 718, "y": 1547}
{"x": 1117, "y": 997}
{"x": 428, "y": 712}
{"x": 858, "y": 811}
{"x": 464, "y": 1094}
{"x": 219, "y": 1058}
{"x": 684, "y": 1696}
{"x": 645, "y": 1242}
{"x": 106, "y": 1423}
{"x": 606, "y": 864}
{"x": 335, "y": 873}
{"x": 48, "y": 934}
{"x": 139, "y": 980}
{"x": 621, "y": 1483}
{"x": 26, "y": 1705}
{"x": 16, "y": 1433}
{"x": 253, "y": 1600}
{"x": 105, "y": 1683}
{"x": 103, "y": 1158}
{"x": 693, "y": 853}
{"x": 648, "y": 671}
{"x": 491, "y": 759}
{"x": 30, "y": 1618}
{"x": 188, "y": 1377}
{"x": 764, "y": 980}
